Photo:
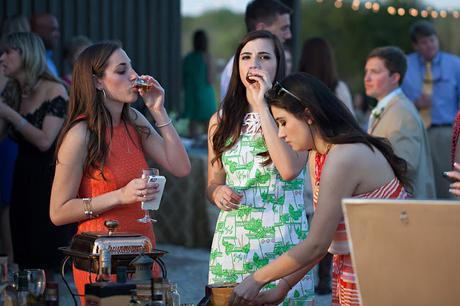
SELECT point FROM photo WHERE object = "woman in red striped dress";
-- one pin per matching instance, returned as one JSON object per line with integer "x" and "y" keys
{"x": 344, "y": 162}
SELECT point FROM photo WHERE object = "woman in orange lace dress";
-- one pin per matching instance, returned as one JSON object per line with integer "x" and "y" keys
{"x": 100, "y": 152}
{"x": 343, "y": 163}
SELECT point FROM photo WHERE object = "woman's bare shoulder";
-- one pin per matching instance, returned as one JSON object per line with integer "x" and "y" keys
{"x": 78, "y": 133}
{"x": 350, "y": 151}
{"x": 136, "y": 116}
{"x": 54, "y": 89}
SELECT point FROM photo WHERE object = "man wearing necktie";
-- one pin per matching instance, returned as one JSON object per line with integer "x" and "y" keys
{"x": 432, "y": 82}
{"x": 396, "y": 118}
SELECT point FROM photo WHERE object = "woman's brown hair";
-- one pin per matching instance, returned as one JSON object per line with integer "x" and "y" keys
{"x": 317, "y": 59}
{"x": 86, "y": 103}
{"x": 335, "y": 122}
{"x": 235, "y": 105}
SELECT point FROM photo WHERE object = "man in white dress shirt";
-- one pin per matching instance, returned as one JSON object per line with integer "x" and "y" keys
{"x": 396, "y": 118}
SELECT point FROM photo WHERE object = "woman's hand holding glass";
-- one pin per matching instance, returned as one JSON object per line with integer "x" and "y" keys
{"x": 274, "y": 296}
{"x": 153, "y": 94}
{"x": 226, "y": 198}
{"x": 138, "y": 190}
{"x": 261, "y": 85}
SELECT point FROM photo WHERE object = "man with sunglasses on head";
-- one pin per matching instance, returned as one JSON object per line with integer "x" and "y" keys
{"x": 269, "y": 15}
{"x": 396, "y": 118}
{"x": 432, "y": 82}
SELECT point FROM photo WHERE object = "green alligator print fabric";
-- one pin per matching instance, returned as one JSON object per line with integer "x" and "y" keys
{"x": 271, "y": 218}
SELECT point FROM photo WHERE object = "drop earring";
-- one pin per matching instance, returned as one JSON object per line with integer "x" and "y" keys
{"x": 310, "y": 122}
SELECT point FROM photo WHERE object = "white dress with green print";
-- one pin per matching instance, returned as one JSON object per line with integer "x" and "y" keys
{"x": 271, "y": 218}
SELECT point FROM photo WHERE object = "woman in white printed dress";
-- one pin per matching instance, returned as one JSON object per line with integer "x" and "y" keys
{"x": 254, "y": 177}
{"x": 344, "y": 162}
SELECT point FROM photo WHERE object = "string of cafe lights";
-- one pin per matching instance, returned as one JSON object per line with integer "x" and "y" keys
{"x": 375, "y": 6}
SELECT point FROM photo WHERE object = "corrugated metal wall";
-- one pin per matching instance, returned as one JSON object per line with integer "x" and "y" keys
{"x": 148, "y": 29}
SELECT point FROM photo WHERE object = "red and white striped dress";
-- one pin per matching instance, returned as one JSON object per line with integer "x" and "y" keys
{"x": 344, "y": 289}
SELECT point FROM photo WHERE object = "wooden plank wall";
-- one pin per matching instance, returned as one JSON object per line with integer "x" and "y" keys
{"x": 148, "y": 29}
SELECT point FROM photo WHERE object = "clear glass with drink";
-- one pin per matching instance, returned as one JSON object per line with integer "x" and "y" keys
{"x": 152, "y": 175}
{"x": 140, "y": 83}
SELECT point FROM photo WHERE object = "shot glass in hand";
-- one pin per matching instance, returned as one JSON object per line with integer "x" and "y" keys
{"x": 140, "y": 83}
{"x": 152, "y": 175}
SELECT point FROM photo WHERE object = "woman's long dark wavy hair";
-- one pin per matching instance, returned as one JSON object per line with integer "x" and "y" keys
{"x": 335, "y": 122}
{"x": 317, "y": 58}
{"x": 235, "y": 105}
{"x": 86, "y": 103}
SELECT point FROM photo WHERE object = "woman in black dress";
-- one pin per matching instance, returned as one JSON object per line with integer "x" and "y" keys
{"x": 42, "y": 103}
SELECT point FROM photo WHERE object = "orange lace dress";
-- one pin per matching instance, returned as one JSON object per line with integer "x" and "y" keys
{"x": 124, "y": 163}
{"x": 344, "y": 287}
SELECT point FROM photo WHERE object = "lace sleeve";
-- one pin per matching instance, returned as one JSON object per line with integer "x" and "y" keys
{"x": 57, "y": 107}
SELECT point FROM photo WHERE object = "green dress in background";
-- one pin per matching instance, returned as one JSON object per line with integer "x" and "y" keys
{"x": 271, "y": 218}
{"x": 200, "y": 99}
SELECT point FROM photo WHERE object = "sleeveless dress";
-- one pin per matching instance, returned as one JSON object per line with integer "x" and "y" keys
{"x": 31, "y": 226}
{"x": 344, "y": 288}
{"x": 125, "y": 162}
{"x": 199, "y": 96}
{"x": 271, "y": 218}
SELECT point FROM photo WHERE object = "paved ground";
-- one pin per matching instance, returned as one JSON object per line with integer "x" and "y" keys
{"x": 188, "y": 268}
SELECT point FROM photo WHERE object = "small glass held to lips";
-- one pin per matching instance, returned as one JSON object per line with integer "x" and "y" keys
{"x": 140, "y": 83}
{"x": 152, "y": 175}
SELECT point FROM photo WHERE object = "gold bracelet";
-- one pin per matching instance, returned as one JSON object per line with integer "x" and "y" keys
{"x": 88, "y": 208}
{"x": 163, "y": 124}
{"x": 287, "y": 283}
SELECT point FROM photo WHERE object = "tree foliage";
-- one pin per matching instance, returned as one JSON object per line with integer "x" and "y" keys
{"x": 352, "y": 34}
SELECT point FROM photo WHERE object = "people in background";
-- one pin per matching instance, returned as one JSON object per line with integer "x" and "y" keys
{"x": 362, "y": 108}
{"x": 38, "y": 119}
{"x": 269, "y": 15}
{"x": 396, "y": 118}
{"x": 100, "y": 152}
{"x": 72, "y": 50}
{"x": 254, "y": 178}
{"x": 8, "y": 148}
{"x": 288, "y": 57}
{"x": 432, "y": 82}
{"x": 343, "y": 162}
{"x": 198, "y": 79}
{"x": 318, "y": 59}
{"x": 47, "y": 27}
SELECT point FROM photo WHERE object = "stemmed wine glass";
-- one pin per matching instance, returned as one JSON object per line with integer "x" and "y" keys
{"x": 147, "y": 206}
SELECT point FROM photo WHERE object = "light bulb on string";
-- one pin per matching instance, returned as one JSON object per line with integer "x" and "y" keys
{"x": 391, "y": 10}
{"x": 355, "y": 5}
{"x": 375, "y": 7}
